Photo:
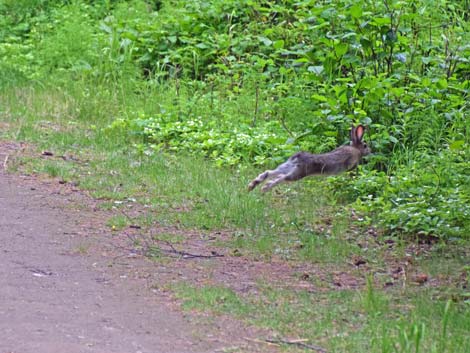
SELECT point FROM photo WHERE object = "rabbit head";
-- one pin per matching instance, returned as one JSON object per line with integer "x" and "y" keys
{"x": 357, "y": 133}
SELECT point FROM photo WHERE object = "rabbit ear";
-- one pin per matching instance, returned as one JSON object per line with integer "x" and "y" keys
{"x": 359, "y": 132}
{"x": 352, "y": 134}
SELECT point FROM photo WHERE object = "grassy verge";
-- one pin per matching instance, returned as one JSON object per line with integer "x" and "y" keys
{"x": 298, "y": 222}
{"x": 367, "y": 320}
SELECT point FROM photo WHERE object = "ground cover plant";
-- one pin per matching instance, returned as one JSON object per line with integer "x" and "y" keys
{"x": 177, "y": 105}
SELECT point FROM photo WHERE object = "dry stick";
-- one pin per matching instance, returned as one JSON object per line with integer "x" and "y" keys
{"x": 283, "y": 123}
{"x": 255, "y": 115}
{"x": 5, "y": 162}
{"x": 128, "y": 250}
{"x": 261, "y": 341}
{"x": 130, "y": 219}
{"x": 187, "y": 255}
{"x": 184, "y": 254}
{"x": 298, "y": 343}
{"x": 132, "y": 238}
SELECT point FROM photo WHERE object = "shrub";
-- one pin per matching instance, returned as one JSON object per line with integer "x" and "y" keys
{"x": 430, "y": 196}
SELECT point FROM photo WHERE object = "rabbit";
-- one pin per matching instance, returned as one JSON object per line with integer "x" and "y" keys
{"x": 303, "y": 164}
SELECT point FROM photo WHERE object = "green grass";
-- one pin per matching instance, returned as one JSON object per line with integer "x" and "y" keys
{"x": 300, "y": 222}
{"x": 219, "y": 299}
{"x": 368, "y": 320}
{"x": 118, "y": 222}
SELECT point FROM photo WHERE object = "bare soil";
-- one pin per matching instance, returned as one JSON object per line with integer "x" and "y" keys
{"x": 68, "y": 284}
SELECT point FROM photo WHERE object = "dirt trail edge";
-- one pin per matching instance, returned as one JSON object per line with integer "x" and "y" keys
{"x": 53, "y": 298}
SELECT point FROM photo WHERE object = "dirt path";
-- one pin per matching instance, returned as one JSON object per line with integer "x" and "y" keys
{"x": 55, "y": 299}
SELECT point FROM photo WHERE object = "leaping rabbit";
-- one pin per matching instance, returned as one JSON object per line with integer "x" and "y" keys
{"x": 303, "y": 164}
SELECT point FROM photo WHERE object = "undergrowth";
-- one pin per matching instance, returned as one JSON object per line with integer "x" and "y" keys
{"x": 254, "y": 81}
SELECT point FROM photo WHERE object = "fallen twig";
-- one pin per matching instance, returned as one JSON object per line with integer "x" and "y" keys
{"x": 187, "y": 255}
{"x": 5, "y": 162}
{"x": 172, "y": 251}
{"x": 299, "y": 343}
{"x": 261, "y": 341}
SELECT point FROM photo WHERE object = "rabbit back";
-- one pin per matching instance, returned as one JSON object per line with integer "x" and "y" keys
{"x": 340, "y": 160}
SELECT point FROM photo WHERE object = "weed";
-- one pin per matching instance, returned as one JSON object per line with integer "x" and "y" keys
{"x": 218, "y": 299}
{"x": 117, "y": 222}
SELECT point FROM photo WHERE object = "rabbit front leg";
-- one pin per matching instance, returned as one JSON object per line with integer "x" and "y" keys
{"x": 260, "y": 178}
{"x": 285, "y": 170}
{"x": 273, "y": 183}
{"x": 293, "y": 175}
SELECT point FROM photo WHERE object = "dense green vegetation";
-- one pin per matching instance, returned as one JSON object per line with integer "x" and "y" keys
{"x": 253, "y": 81}
{"x": 177, "y": 104}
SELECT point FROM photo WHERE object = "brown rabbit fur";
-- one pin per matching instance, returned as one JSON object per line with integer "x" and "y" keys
{"x": 303, "y": 164}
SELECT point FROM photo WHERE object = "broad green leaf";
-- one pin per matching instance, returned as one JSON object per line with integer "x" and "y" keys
{"x": 106, "y": 28}
{"x": 320, "y": 26}
{"x": 266, "y": 41}
{"x": 426, "y": 59}
{"x": 202, "y": 46}
{"x": 457, "y": 145}
{"x": 278, "y": 44}
{"x": 441, "y": 84}
{"x": 356, "y": 10}
{"x": 129, "y": 35}
{"x": 341, "y": 49}
{"x": 381, "y": 21}
{"x": 316, "y": 69}
{"x": 426, "y": 82}
{"x": 319, "y": 98}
